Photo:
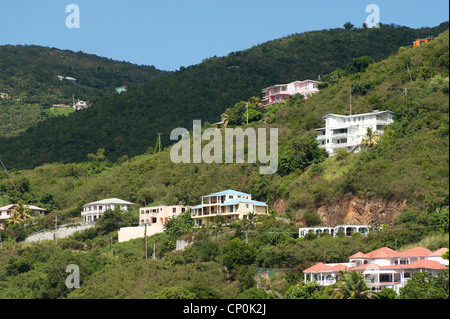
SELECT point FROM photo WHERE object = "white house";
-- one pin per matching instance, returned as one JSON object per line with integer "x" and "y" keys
{"x": 159, "y": 215}
{"x": 281, "y": 92}
{"x": 348, "y": 230}
{"x": 80, "y": 105}
{"x": 229, "y": 203}
{"x": 94, "y": 210}
{"x": 348, "y": 131}
{"x": 382, "y": 268}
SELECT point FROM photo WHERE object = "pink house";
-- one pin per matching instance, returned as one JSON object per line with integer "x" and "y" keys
{"x": 281, "y": 92}
{"x": 382, "y": 268}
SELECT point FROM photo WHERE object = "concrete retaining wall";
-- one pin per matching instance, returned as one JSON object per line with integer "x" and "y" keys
{"x": 62, "y": 232}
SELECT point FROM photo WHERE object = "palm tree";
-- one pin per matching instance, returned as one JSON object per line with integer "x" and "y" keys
{"x": 218, "y": 222}
{"x": 20, "y": 213}
{"x": 370, "y": 139}
{"x": 224, "y": 118}
{"x": 251, "y": 219}
{"x": 351, "y": 285}
{"x": 255, "y": 102}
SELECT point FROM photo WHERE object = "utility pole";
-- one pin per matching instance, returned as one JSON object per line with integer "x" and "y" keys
{"x": 145, "y": 235}
{"x": 246, "y": 105}
{"x": 350, "y": 100}
{"x": 56, "y": 229}
{"x": 154, "y": 250}
{"x": 409, "y": 73}
{"x": 405, "y": 91}
{"x": 159, "y": 142}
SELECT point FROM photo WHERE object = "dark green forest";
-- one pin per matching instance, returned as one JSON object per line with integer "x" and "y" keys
{"x": 128, "y": 124}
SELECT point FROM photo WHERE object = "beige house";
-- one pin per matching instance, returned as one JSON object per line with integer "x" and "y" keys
{"x": 229, "y": 203}
{"x": 159, "y": 215}
{"x": 7, "y": 211}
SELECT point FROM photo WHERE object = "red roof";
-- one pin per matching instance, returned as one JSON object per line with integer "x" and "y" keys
{"x": 383, "y": 252}
{"x": 439, "y": 252}
{"x": 427, "y": 264}
{"x": 417, "y": 251}
{"x": 358, "y": 255}
{"x": 321, "y": 267}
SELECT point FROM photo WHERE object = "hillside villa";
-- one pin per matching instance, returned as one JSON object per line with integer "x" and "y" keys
{"x": 7, "y": 211}
{"x": 418, "y": 42}
{"x": 94, "y": 210}
{"x": 80, "y": 105}
{"x": 347, "y": 131}
{"x": 229, "y": 203}
{"x": 159, "y": 215}
{"x": 281, "y": 92}
{"x": 382, "y": 268}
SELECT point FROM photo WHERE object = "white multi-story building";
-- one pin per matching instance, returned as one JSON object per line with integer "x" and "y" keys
{"x": 348, "y": 131}
{"x": 229, "y": 203}
{"x": 382, "y": 268}
{"x": 280, "y": 92}
{"x": 159, "y": 215}
{"x": 94, "y": 210}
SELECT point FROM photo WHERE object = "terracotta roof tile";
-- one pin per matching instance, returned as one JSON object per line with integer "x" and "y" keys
{"x": 439, "y": 252}
{"x": 383, "y": 252}
{"x": 417, "y": 251}
{"x": 358, "y": 255}
{"x": 428, "y": 264}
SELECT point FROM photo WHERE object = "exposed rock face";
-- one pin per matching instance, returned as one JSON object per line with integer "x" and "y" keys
{"x": 279, "y": 206}
{"x": 363, "y": 211}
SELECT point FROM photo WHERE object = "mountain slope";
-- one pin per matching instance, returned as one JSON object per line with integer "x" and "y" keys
{"x": 29, "y": 75}
{"x": 127, "y": 124}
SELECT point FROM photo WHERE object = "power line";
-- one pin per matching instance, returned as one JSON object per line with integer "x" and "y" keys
{"x": 7, "y": 174}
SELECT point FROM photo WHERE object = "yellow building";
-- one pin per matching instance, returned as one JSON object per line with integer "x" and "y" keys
{"x": 229, "y": 203}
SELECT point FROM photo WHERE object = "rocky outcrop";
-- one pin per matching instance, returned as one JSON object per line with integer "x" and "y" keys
{"x": 363, "y": 211}
{"x": 279, "y": 206}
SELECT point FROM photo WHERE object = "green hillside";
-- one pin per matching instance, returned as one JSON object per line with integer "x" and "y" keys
{"x": 411, "y": 164}
{"x": 128, "y": 124}
{"x": 29, "y": 75}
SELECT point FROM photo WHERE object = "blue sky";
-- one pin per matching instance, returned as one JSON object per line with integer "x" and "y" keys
{"x": 173, "y": 33}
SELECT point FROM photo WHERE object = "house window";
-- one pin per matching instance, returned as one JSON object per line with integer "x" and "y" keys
{"x": 231, "y": 208}
{"x": 246, "y": 205}
{"x": 153, "y": 220}
{"x": 174, "y": 210}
